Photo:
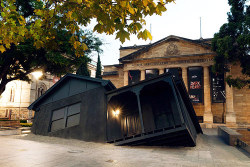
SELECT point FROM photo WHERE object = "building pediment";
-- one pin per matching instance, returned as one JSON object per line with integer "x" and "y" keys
{"x": 171, "y": 46}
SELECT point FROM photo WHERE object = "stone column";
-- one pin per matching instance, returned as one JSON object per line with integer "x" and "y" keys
{"x": 184, "y": 76}
{"x": 143, "y": 75}
{"x": 125, "y": 79}
{"x": 208, "y": 116}
{"x": 230, "y": 114}
{"x": 161, "y": 71}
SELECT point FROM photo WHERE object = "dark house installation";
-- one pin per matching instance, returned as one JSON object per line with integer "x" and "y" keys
{"x": 153, "y": 112}
{"x": 156, "y": 111}
{"x": 75, "y": 107}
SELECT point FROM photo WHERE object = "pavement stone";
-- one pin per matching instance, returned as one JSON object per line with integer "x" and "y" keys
{"x": 43, "y": 151}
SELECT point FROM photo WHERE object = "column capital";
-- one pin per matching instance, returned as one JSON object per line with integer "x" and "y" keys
{"x": 185, "y": 67}
{"x": 206, "y": 66}
{"x": 161, "y": 70}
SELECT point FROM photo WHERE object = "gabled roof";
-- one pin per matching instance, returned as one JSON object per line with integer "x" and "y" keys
{"x": 106, "y": 83}
{"x": 132, "y": 47}
{"x": 202, "y": 42}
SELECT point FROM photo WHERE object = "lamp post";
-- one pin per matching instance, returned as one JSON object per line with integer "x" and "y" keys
{"x": 37, "y": 75}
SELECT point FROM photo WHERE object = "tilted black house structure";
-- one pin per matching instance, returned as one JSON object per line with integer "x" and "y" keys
{"x": 152, "y": 112}
{"x": 157, "y": 111}
{"x": 75, "y": 107}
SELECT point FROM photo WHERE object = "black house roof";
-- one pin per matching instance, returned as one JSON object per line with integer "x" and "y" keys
{"x": 202, "y": 42}
{"x": 105, "y": 83}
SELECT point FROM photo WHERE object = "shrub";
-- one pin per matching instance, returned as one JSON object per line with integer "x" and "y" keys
{"x": 23, "y": 121}
{"x": 26, "y": 124}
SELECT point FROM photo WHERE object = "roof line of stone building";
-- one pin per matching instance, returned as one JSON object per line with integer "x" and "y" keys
{"x": 147, "y": 47}
{"x": 133, "y": 47}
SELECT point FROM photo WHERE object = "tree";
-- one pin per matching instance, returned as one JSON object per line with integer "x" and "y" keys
{"x": 18, "y": 61}
{"x": 57, "y": 58}
{"x": 123, "y": 17}
{"x": 232, "y": 43}
{"x": 46, "y": 34}
{"x": 98, "y": 68}
{"x": 83, "y": 69}
{"x": 94, "y": 44}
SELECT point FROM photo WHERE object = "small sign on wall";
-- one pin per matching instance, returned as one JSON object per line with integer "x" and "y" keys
{"x": 151, "y": 73}
{"x": 133, "y": 76}
{"x": 195, "y": 84}
{"x": 176, "y": 72}
{"x": 217, "y": 87}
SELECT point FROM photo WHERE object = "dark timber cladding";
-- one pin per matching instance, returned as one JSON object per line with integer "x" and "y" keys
{"x": 75, "y": 107}
{"x": 152, "y": 112}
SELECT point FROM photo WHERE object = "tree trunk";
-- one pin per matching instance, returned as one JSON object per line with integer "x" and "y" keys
{"x": 3, "y": 85}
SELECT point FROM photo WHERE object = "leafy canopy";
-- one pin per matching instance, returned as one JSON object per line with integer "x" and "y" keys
{"x": 58, "y": 57}
{"x": 24, "y": 58}
{"x": 232, "y": 43}
{"x": 123, "y": 17}
{"x": 46, "y": 34}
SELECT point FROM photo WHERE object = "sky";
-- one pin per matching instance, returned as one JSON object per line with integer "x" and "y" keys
{"x": 182, "y": 18}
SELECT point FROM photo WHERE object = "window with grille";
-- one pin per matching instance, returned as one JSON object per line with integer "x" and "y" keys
{"x": 65, "y": 117}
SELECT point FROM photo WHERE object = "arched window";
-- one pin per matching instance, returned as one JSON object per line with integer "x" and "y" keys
{"x": 12, "y": 94}
{"x": 41, "y": 89}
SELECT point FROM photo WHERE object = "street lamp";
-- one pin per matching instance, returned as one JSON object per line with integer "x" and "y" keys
{"x": 116, "y": 112}
{"x": 37, "y": 75}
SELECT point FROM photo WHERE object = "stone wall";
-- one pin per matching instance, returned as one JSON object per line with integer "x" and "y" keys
{"x": 181, "y": 48}
{"x": 18, "y": 95}
{"x": 125, "y": 52}
{"x": 117, "y": 80}
{"x": 241, "y": 99}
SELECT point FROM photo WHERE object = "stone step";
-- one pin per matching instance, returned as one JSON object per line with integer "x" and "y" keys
{"x": 26, "y": 131}
{"x": 10, "y": 132}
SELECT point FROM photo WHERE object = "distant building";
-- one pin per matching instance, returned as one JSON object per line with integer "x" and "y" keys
{"x": 213, "y": 100}
{"x": 18, "y": 95}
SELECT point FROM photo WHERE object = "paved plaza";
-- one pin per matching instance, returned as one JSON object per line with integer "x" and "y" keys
{"x": 43, "y": 151}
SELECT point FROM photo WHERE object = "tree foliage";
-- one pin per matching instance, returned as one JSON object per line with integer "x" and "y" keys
{"x": 59, "y": 57}
{"x": 20, "y": 60}
{"x": 46, "y": 34}
{"x": 232, "y": 43}
{"x": 98, "y": 68}
{"x": 123, "y": 17}
{"x": 83, "y": 69}
{"x": 94, "y": 45}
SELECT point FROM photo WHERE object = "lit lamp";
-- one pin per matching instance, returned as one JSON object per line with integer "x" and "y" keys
{"x": 116, "y": 112}
{"x": 37, "y": 75}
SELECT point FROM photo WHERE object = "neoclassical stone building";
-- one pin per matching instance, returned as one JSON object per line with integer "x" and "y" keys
{"x": 213, "y": 100}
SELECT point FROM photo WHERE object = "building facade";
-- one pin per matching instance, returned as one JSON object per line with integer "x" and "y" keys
{"x": 18, "y": 95}
{"x": 213, "y": 100}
